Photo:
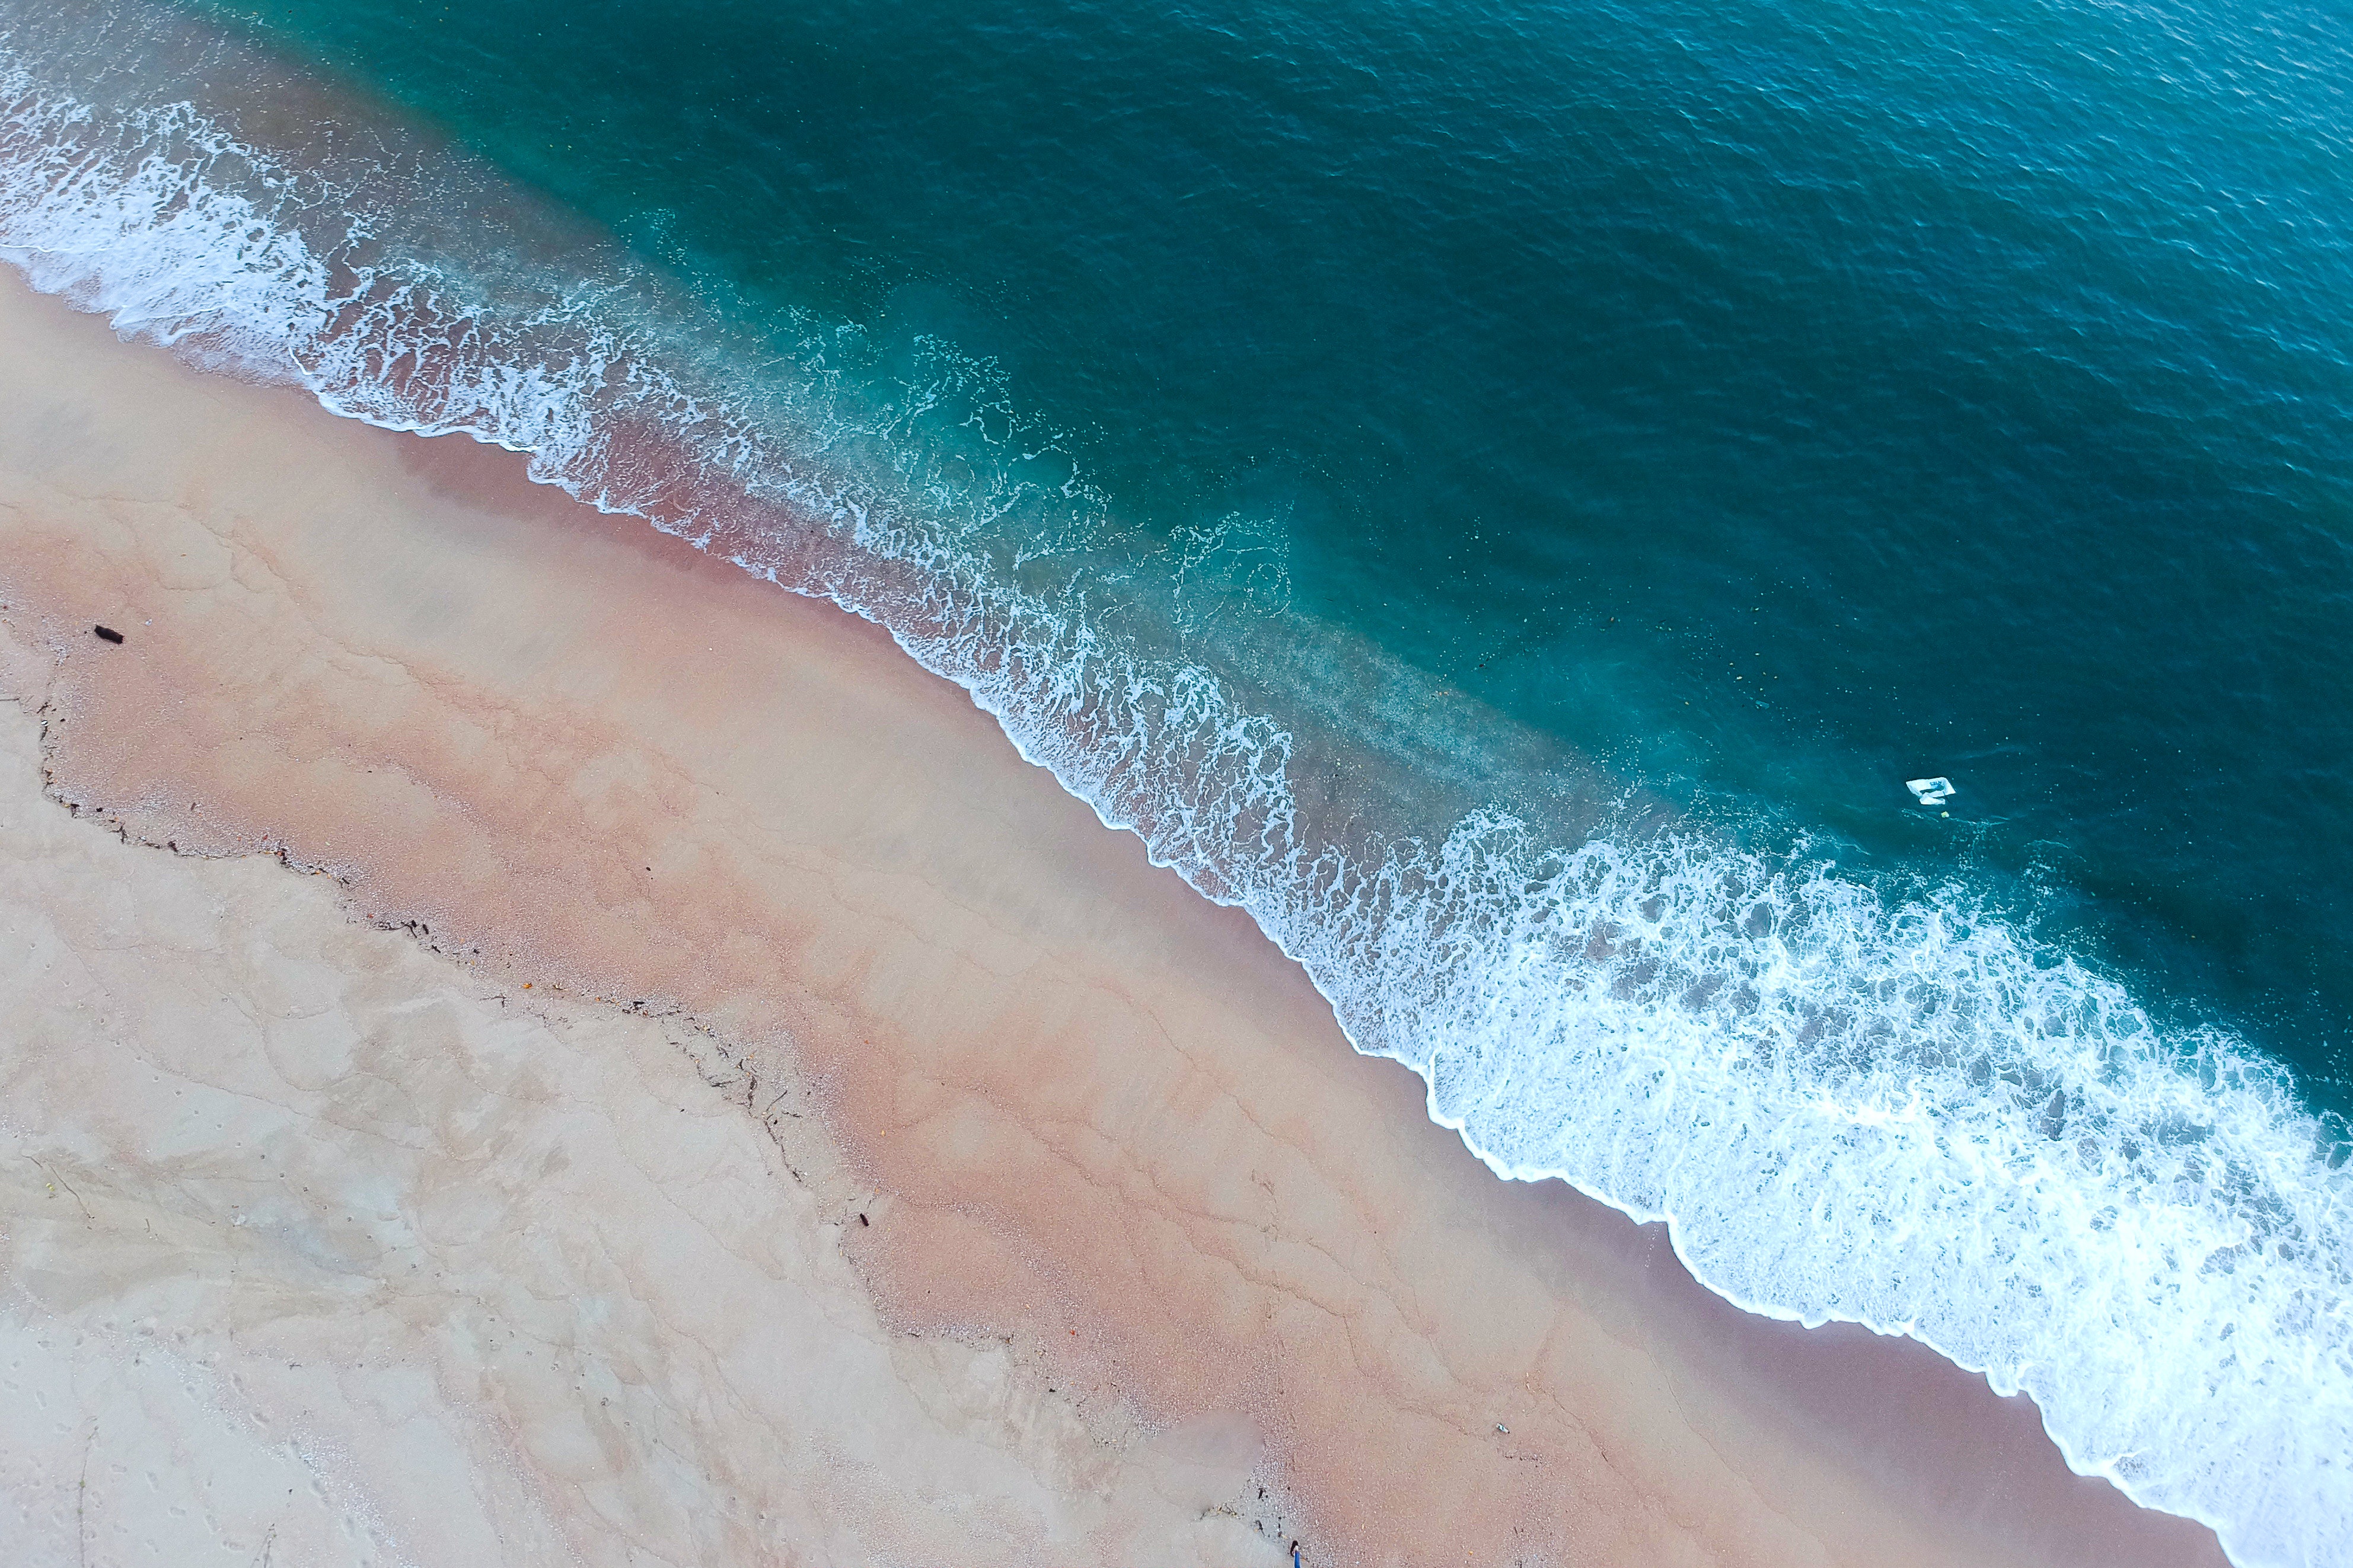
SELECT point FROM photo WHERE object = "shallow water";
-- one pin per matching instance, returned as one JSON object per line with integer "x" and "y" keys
{"x": 1508, "y": 495}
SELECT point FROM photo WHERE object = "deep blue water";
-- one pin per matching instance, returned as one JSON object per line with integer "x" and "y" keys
{"x": 1676, "y": 425}
{"x": 1779, "y": 402}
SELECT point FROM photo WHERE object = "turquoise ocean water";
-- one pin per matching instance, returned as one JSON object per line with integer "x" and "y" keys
{"x": 1508, "y": 494}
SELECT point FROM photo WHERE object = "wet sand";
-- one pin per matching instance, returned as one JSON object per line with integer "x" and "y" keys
{"x": 942, "y": 1182}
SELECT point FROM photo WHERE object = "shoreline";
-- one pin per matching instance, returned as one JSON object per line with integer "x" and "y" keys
{"x": 485, "y": 707}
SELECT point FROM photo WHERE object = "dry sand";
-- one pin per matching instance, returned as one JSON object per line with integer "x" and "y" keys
{"x": 321, "y": 1251}
{"x": 1152, "y": 1266}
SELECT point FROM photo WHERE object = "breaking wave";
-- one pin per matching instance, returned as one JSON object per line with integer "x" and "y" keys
{"x": 1883, "y": 1106}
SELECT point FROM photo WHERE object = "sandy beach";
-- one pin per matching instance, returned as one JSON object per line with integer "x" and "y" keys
{"x": 525, "y": 1044}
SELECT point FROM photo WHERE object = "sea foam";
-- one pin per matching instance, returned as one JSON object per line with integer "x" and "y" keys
{"x": 1887, "y": 1106}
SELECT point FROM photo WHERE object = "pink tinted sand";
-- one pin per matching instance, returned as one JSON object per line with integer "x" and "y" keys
{"x": 1098, "y": 1117}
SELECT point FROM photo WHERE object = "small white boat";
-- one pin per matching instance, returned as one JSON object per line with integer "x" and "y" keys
{"x": 1930, "y": 792}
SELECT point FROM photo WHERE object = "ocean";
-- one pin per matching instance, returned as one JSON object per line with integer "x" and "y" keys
{"x": 1509, "y": 495}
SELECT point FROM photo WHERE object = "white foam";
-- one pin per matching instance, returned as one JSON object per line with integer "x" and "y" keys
{"x": 1898, "y": 1111}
